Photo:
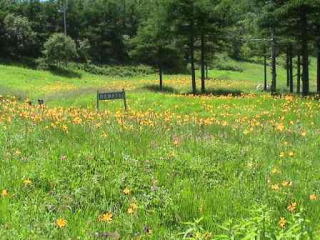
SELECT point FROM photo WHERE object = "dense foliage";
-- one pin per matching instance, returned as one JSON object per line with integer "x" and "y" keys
{"x": 171, "y": 35}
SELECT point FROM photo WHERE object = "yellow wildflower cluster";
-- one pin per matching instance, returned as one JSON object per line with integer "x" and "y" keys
{"x": 106, "y": 217}
{"x": 61, "y": 223}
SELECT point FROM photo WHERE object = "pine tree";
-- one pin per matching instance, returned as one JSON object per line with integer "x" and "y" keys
{"x": 153, "y": 43}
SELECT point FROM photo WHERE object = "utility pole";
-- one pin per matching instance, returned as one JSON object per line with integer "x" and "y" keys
{"x": 65, "y": 8}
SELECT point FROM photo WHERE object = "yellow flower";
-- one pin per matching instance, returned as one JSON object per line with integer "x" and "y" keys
{"x": 275, "y": 187}
{"x": 280, "y": 127}
{"x": 286, "y": 183}
{"x": 77, "y": 120}
{"x": 304, "y": 133}
{"x": 127, "y": 191}
{"x": 291, "y": 154}
{"x": 132, "y": 208}
{"x": 246, "y": 132}
{"x": 104, "y": 135}
{"x": 275, "y": 171}
{"x": 61, "y": 223}
{"x": 282, "y": 222}
{"x": 27, "y": 182}
{"x": 313, "y": 197}
{"x": 4, "y": 193}
{"x": 64, "y": 128}
{"x": 107, "y": 217}
{"x": 176, "y": 142}
{"x": 282, "y": 154}
{"x": 292, "y": 207}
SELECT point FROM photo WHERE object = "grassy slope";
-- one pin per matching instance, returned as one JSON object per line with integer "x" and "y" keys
{"x": 183, "y": 157}
{"x": 42, "y": 84}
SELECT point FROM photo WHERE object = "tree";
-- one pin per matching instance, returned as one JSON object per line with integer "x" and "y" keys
{"x": 197, "y": 21}
{"x": 182, "y": 14}
{"x": 315, "y": 17}
{"x": 269, "y": 24}
{"x": 153, "y": 43}
{"x": 211, "y": 23}
{"x": 298, "y": 18}
{"x": 18, "y": 35}
{"x": 59, "y": 49}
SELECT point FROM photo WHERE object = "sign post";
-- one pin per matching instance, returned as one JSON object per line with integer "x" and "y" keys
{"x": 103, "y": 96}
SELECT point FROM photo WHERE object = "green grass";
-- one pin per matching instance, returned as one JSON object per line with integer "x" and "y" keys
{"x": 183, "y": 158}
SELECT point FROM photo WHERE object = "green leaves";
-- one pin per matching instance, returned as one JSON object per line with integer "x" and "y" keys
{"x": 59, "y": 49}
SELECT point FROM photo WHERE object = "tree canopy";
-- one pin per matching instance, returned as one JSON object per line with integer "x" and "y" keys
{"x": 172, "y": 35}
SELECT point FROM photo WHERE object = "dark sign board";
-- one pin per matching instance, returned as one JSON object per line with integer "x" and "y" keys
{"x": 111, "y": 96}
{"x": 104, "y": 96}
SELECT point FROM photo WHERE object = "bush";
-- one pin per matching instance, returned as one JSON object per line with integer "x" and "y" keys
{"x": 59, "y": 49}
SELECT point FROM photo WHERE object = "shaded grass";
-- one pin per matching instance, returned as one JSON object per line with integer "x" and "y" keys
{"x": 156, "y": 88}
{"x": 63, "y": 72}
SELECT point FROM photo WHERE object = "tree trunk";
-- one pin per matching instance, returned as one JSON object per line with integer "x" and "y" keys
{"x": 265, "y": 72}
{"x": 305, "y": 69}
{"x": 192, "y": 41}
{"x": 287, "y": 67}
{"x": 305, "y": 54}
{"x": 274, "y": 65}
{"x": 290, "y": 70}
{"x": 193, "y": 73}
{"x": 318, "y": 67}
{"x": 299, "y": 74}
{"x": 160, "y": 77}
{"x": 203, "y": 84}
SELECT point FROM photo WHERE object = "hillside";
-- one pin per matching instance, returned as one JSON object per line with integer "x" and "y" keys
{"x": 77, "y": 87}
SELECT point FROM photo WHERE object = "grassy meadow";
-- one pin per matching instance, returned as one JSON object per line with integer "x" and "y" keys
{"x": 233, "y": 166}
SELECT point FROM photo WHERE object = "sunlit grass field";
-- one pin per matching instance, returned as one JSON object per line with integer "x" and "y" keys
{"x": 243, "y": 165}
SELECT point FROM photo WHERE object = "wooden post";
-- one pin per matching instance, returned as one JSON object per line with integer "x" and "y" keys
{"x": 125, "y": 100}
{"x": 98, "y": 100}
{"x": 160, "y": 76}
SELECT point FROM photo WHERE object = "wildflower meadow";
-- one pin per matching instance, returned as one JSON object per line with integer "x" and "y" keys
{"x": 174, "y": 166}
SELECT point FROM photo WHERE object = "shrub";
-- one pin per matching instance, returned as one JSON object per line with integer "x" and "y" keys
{"x": 59, "y": 49}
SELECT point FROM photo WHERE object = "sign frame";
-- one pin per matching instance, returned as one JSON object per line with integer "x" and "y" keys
{"x": 107, "y": 96}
